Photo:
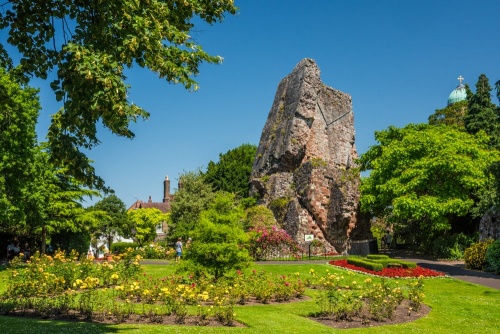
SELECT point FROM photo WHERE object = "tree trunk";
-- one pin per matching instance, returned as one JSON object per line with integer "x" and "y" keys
{"x": 44, "y": 239}
{"x": 110, "y": 241}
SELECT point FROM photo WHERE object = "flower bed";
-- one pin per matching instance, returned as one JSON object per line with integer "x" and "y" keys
{"x": 63, "y": 287}
{"x": 390, "y": 272}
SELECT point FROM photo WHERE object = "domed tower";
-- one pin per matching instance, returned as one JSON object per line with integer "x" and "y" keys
{"x": 458, "y": 94}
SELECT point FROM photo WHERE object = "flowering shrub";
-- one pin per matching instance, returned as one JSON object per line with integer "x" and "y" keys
{"x": 268, "y": 243}
{"x": 475, "y": 255}
{"x": 156, "y": 251}
{"x": 44, "y": 275}
{"x": 342, "y": 298}
{"x": 89, "y": 290}
{"x": 112, "y": 291}
{"x": 390, "y": 272}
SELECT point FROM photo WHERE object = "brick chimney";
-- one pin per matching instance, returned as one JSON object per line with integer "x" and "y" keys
{"x": 166, "y": 190}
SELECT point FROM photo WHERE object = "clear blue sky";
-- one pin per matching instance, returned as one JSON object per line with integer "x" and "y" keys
{"x": 399, "y": 60}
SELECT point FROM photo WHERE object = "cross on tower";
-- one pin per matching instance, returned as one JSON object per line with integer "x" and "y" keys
{"x": 460, "y": 78}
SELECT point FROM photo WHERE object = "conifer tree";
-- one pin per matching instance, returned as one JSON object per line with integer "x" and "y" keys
{"x": 482, "y": 114}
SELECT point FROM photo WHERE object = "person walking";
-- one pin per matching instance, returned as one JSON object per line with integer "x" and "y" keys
{"x": 178, "y": 249}
{"x": 388, "y": 239}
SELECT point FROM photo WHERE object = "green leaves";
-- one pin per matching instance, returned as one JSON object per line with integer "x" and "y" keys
{"x": 218, "y": 238}
{"x": 425, "y": 173}
{"x": 19, "y": 108}
{"x": 145, "y": 221}
{"x": 232, "y": 172}
{"x": 90, "y": 43}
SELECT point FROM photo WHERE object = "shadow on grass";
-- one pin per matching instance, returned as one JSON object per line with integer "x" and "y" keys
{"x": 20, "y": 325}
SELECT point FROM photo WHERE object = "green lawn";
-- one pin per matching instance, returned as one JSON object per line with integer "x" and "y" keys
{"x": 457, "y": 307}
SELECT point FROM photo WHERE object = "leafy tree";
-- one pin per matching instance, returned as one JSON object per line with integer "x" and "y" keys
{"x": 144, "y": 221}
{"x": 482, "y": 114}
{"x": 114, "y": 222}
{"x": 54, "y": 202}
{"x": 19, "y": 106}
{"x": 219, "y": 241}
{"x": 232, "y": 172}
{"x": 68, "y": 241}
{"x": 192, "y": 197}
{"x": 259, "y": 216}
{"x": 90, "y": 44}
{"x": 452, "y": 115}
{"x": 422, "y": 175}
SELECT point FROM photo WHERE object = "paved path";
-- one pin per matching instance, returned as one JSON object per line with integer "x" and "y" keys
{"x": 456, "y": 269}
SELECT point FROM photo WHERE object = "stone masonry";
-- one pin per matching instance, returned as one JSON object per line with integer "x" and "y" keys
{"x": 304, "y": 169}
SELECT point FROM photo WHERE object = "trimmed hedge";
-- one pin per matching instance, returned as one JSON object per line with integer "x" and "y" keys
{"x": 379, "y": 262}
{"x": 388, "y": 262}
{"x": 367, "y": 264}
{"x": 407, "y": 264}
{"x": 377, "y": 256}
{"x": 120, "y": 247}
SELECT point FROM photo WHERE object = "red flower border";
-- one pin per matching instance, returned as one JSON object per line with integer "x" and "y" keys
{"x": 390, "y": 272}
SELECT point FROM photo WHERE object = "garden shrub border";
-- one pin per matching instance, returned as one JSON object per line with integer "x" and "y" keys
{"x": 377, "y": 262}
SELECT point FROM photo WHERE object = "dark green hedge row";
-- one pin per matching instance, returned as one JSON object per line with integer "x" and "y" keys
{"x": 388, "y": 262}
{"x": 365, "y": 263}
{"x": 407, "y": 264}
{"x": 377, "y": 256}
{"x": 120, "y": 247}
{"x": 379, "y": 262}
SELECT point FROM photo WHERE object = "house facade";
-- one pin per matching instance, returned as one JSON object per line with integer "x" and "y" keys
{"x": 164, "y": 206}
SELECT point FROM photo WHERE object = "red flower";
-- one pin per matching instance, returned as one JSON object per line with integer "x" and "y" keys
{"x": 390, "y": 272}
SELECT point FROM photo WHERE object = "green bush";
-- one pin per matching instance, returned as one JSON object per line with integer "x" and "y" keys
{"x": 356, "y": 261}
{"x": 68, "y": 241}
{"x": 407, "y": 264}
{"x": 159, "y": 251}
{"x": 279, "y": 207}
{"x": 451, "y": 246}
{"x": 121, "y": 247}
{"x": 475, "y": 255}
{"x": 377, "y": 256}
{"x": 493, "y": 257}
{"x": 388, "y": 262}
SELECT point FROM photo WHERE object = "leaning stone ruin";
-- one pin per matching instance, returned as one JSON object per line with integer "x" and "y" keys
{"x": 489, "y": 226}
{"x": 304, "y": 170}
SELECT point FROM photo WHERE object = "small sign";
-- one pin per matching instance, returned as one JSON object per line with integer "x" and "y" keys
{"x": 308, "y": 237}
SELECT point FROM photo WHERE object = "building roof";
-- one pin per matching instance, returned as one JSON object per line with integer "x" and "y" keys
{"x": 458, "y": 94}
{"x": 162, "y": 206}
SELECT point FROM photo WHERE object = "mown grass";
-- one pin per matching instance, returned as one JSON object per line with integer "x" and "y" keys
{"x": 457, "y": 307}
